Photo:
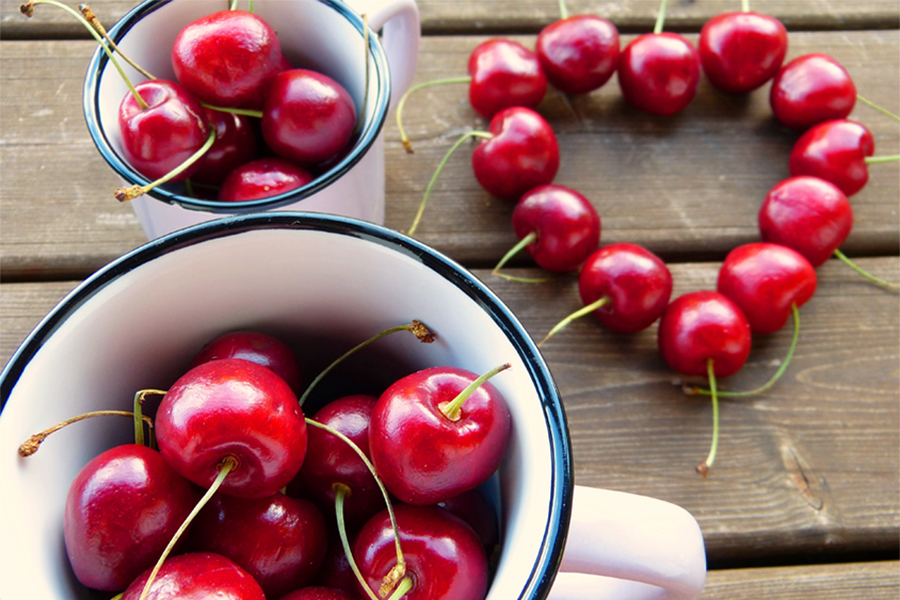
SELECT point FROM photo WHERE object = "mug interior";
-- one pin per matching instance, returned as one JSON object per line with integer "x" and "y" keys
{"x": 321, "y": 35}
{"x": 322, "y": 284}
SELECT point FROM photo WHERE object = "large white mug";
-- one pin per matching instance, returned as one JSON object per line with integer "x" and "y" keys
{"x": 321, "y": 283}
{"x": 324, "y": 35}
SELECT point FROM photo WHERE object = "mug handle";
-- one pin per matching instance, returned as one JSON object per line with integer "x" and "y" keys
{"x": 401, "y": 32}
{"x": 630, "y": 547}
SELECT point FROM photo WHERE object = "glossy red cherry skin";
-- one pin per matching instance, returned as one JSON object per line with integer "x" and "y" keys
{"x": 578, "y": 54}
{"x": 504, "y": 74}
{"x": 659, "y": 73}
{"x": 226, "y": 57}
{"x": 704, "y": 325}
{"x": 233, "y": 408}
{"x": 522, "y": 154}
{"x": 318, "y": 593}
{"x": 261, "y": 348}
{"x": 567, "y": 226}
{"x": 740, "y": 51}
{"x": 807, "y": 214}
{"x": 263, "y": 178}
{"x": 764, "y": 280}
{"x": 443, "y": 555}
{"x": 159, "y": 138}
{"x": 280, "y": 541}
{"x": 637, "y": 282}
{"x": 811, "y": 89}
{"x": 235, "y": 145}
{"x": 197, "y": 576}
{"x": 122, "y": 509}
{"x": 308, "y": 117}
{"x": 835, "y": 151}
{"x": 423, "y": 456}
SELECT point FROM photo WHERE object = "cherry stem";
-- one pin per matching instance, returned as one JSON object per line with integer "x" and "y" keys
{"x": 417, "y": 328}
{"x": 27, "y": 9}
{"x": 139, "y": 417}
{"x": 362, "y": 111}
{"x": 703, "y": 468}
{"x": 404, "y": 586}
{"x": 453, "y": 409}
{"x": 459, "y": 142}
{"x": 745, "y": 5}
{"x": 226, "y": 466}
{"x": 247, "y": 112}
{"x": 563, "y": 10}
{"x": 781, "y": 369}
{"x": 31, "y": 445}
{"x": 864, "y": 273}
{"x": 95, "y": 22}
{"x": 871, "y": 104}
{"x": 135, "y": 191}
{"x": 341, "y": 490}
{"x": 603, "y": 301}
{"x": 875, "y": 160}
{"x": 660, "y": 18}
{"x": 528, "y": 239}
{"x": 403, "y": 139}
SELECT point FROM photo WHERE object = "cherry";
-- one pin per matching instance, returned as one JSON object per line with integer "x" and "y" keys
{"x": 437, "y": 433}
{"x": 740, "y": 51}
{"x": 280, "y": 541}
{"x": 811, "y": 89}
{"x": 835, "y": 151}
{"x": 121, "y": 510}
{"x": 233, "y": 409}
{"x": 578, "y": 54}
{"x": 263, "y": 178}
{"x": 504, "y": 74}
{"x": 226, "y": 57}
{"x": 765, "y": 280}
{"x": 197, "y": 576}
{"x": 444, "y": 558}
{"x": 235, "y": 145}
{"x": 807, "y": 214}
{"x": 261, "y": 348}
{"x": 318, "y": 593}
{"x": 308, "y": 117}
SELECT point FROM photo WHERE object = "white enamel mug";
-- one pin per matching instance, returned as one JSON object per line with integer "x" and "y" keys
{"x": 323, "y": 35}
{"x": 322, "y": 283}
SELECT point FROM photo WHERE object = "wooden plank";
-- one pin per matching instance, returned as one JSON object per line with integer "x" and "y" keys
{"x": 870, "y": 580}
{"x": 688, "y": 187}
{"x": 810, "y": 469}
{"x": 524, "y": 16}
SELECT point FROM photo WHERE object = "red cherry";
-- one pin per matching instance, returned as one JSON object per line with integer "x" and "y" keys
{"x": 807, "y": 214}
{"x": 765, "y": 280}
{"x": 740, "y": 51}
{"x": 162, "y": 136}
{"x": 196, "y": 576}
{"x": 308, "y": 117}
{"x": 444, "y": 558}
{"x": 522, "y": 154}
{"x": 318, "y": 593}
{"x": 504, "y": 74}
{"x": 425, "y": 456}
{"x": 578, "y": 54}
{"x": 235, "y": 145}
{"x": 280, "y": 541}
{"x": 263, "y": 178}
{"x": 261, "y": 348}
{"x": 233, "y": 408}
{"x": 659, "y": 72}
{"x": 835, "y": 151}
{"x": 811, "y": 89}
{"x": 226, "y": 57}
{"x": 121, "y": 511}
{"x": 701, "y": 326}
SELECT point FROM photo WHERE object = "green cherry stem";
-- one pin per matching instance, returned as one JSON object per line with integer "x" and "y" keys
{"x": 459, "y": 142}
{"x": 528, "y": 239}
{"x": 864, "y": 273}
{"x": 871, "y": 104}
{"x": 404, "y": 586}
{"x": 340, "y": 492}
{"x": 660, "y": 17}
{"x": 247, "y": 112}
{"x": 399, "y": 114}
{"x": 31, "y": 445}
{"x": 745, "y": 5}
{"x": 703, "y": 468}
{"x": 563, "y": 10}
{"x": 603, "y": 301}
{"x": 875, "y": 160}
{"x": 139, "y": 417}
{"x": 453, "y": 409}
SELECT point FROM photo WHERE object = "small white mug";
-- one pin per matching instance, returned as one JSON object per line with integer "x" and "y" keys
{"x": 323, "y": 35}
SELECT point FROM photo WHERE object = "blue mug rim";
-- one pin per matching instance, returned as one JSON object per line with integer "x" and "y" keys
{"x": 100, "y": 62}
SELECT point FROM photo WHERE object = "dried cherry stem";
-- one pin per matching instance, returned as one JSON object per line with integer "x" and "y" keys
{"x": 226, "y": 466}
{"x": 459, "y": 142}
{"x": 403, "y": 139}
{"x": 660, "y": 17}
{"x": 453, "y": 409}
{"x": 588, "y": 309}
{"x": 91, "y": 18}
{"x": 31, "y": 445}
{"x": 563, "y": 10}
{"x": 417, "y": 328}
{"x": 528, "y": 239}
{"x": 876, "y": 280}
{"x": 130, "y": 193}
{"x": 703, "y": 468}
{"x": 691, "y": 390}
{"x": 871, "y": 104}
{"x": 27, "y": 9}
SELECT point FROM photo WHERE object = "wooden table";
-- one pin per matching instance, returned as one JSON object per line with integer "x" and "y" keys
{"x": 804, "y": 499}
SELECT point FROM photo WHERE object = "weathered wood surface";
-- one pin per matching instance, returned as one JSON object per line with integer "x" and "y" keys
{"x": 525, "y": 16}
{"x": 809, "y": 469}
{"x": 687, "y": 187}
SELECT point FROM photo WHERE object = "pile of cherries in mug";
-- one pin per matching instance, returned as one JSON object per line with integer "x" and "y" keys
{"x": 802, "y": 221}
